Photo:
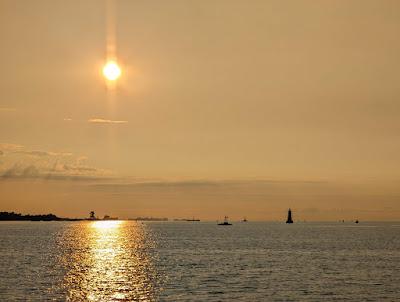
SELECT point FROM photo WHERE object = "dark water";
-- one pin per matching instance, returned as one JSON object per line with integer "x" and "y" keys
{"x": 183, "y": 261}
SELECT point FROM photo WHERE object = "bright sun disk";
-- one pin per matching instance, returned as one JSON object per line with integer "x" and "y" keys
{"x": 111, "y": 71}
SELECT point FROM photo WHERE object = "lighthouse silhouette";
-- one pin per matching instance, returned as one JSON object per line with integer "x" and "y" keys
{"x": 289, "y": 217}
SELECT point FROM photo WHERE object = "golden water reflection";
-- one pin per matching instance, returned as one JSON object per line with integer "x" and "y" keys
{"x": 109, "y": 261}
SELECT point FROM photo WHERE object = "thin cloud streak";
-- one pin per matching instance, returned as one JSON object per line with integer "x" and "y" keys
{"x": 39, "y": 153}
{"x": 242, "y": 184}
{"x": 33, "y": 172}
{"x": 19, "y": 149}
{"x": 105, "y": 121}
{"x": 10, "y": 147}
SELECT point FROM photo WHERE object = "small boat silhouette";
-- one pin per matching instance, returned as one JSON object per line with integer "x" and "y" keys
{"x": 193, "y": 219}
{"x": 225, "y": 221}
{"x": 244, "y": 219}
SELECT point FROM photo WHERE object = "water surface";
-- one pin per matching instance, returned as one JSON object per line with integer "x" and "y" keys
{"x": 192, "y": 261}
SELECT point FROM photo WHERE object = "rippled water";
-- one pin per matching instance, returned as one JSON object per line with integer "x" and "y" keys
{"x": 183, "y": 261}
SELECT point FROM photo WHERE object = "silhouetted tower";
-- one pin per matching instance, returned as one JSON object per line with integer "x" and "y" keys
{"x": 92, "y": 215}
{"x": 289, "y": 217}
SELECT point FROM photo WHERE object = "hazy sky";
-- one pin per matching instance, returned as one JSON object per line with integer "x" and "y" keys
{"x": 223, "y": 108}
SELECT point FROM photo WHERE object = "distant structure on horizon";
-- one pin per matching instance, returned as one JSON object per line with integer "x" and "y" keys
{"x": 149, "y": 219}
{"x": 226, "y": 222}
{"x": 92, "y": 217}
{"x": 289, "y": 217}
{"x": 107, "y": 217}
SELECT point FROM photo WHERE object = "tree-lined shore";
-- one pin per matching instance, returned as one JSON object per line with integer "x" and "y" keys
{"x": 12, "y": 216}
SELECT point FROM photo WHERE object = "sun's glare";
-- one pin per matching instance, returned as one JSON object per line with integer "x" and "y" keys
{"x": 106, "y": 224}
{"x": 111, "y": 71}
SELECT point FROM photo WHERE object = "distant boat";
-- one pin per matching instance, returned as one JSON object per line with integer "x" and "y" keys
{"x": 244, "y": 219}
{"x": 356, "y": 221}
{"x": 186, "y": 219}
{"x": 289, "y": 217}
{"x": 225, "y": 221}
{"x": 193, "y": 219}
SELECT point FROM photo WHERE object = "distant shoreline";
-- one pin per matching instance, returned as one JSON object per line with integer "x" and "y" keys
{"x": 12, "y": 216}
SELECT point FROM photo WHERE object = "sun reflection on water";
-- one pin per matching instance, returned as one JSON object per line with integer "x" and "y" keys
{"x": 106, "y": 224}
{"x": 109, "y": 261}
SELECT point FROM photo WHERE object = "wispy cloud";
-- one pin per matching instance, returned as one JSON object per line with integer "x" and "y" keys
{"x": 105, "y": 121}
{"x": 67, "y": 119}
{"x": 43, "y": 153}
{"x": 21, "y": 163}
{"x": 227, "y": 185}
{"x": 7, "y": 109}
{"x": 21, "y": 171}
{"x": 5, "y": 147}
{"x": 19, "y": 149}
{"x": 61, "y": 172}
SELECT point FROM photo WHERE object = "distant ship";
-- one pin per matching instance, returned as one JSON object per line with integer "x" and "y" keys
{"x": 186, "y": 219}
{"x": 244, "y": 219}
{"x": 357, "y": 221}
{"x": 289, "y": 217}
{"x": 193, "y": 219}
{"x": 225, "y": 221}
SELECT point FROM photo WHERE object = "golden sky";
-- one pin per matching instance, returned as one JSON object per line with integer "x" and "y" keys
{"x": 223, "y": 108}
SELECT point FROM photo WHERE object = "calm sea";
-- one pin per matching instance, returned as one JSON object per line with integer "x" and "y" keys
{"x": 196, "y": 261}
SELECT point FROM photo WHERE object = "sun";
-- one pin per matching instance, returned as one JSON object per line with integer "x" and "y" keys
{"x": 111, "y": 71}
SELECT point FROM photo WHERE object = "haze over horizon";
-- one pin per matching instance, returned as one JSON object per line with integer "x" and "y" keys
{"x": 222, "y": 108}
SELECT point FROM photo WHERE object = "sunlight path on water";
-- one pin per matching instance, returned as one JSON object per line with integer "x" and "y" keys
{"x": 109, "y": 261}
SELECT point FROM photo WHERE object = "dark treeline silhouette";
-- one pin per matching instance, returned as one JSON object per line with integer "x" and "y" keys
{"x": 17, "y": 216}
